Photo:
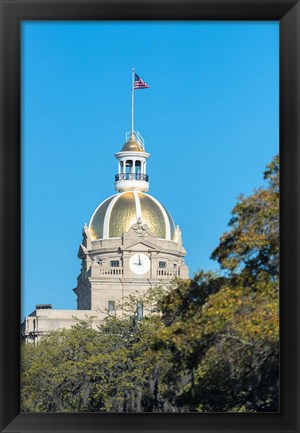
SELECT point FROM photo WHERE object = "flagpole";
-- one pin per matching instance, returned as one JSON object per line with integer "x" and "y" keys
{"x": 132, "y": 102}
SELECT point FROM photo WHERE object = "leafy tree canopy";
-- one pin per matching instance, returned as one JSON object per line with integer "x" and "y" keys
{"x": 252, "y": 244}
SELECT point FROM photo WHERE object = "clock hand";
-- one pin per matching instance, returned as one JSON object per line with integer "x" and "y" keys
{"x": 139, "y": 260}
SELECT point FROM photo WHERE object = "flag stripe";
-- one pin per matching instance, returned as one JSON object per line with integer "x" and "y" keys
{"x": 139, "y": 83}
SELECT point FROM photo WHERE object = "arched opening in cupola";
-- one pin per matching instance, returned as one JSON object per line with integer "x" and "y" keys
{"x": 129, "y": 166}
{"x": 138, "y": 165}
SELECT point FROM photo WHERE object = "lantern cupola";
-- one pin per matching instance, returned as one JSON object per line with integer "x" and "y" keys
{"x": 132, "y": 162}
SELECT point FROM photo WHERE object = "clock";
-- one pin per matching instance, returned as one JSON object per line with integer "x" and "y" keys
{"x": 139, "y": 263}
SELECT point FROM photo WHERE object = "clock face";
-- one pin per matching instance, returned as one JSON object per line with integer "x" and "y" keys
{"x": 139, "y": 263}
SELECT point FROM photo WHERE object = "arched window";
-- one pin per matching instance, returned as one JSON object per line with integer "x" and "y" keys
{"x": 128, "y": 166}
{"x": 137, "y": 167}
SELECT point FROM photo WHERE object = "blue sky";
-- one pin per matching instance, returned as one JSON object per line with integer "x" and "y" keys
{"x": 210, "y": 121}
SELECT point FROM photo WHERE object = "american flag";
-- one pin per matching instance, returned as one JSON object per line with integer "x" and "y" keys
{"x": 139, "y": 83}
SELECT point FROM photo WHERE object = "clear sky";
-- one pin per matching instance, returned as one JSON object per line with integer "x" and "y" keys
{"x": 209, "y": 120}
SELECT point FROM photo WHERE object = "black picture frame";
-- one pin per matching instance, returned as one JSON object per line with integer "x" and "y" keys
{"x": 12, "y": 13}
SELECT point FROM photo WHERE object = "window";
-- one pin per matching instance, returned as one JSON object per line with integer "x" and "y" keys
{"x": 140, "y": 310}
{"x": 137, "y": 167}
{"x": 175, "y": 265}
{"x": 111, "y": 306}
{"x": 115, "y": 263}
{"x": 162, "y": 265}
{"x": 128, "y": 166}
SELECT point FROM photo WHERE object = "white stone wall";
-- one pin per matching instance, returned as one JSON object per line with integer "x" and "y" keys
{"x": 99, "y": 282}
{"x": 42, "y": 321}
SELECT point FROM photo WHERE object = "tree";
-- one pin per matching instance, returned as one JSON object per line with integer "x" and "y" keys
{"x": 252, "y": 244}
{"x": 223, "y": 331}
{"x": 112, "y": 368}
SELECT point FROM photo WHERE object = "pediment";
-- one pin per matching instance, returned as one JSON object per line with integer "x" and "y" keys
{"x": 140, "y": 245}
{"x": 82, "y": 251}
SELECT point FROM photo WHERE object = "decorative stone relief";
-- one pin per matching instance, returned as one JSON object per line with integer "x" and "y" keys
{"x": 138, "y": 229}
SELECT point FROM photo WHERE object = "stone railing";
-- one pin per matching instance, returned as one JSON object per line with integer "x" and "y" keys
{"x": 131, "y": 176}
{"x": 167, "y": 273}
{"x": 111, "y": 271}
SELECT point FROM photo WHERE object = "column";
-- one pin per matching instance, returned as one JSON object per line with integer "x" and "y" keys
{"x": 126, "y": 268}
{"x": 133, "y": 166}
{"x": 154, "y": 267}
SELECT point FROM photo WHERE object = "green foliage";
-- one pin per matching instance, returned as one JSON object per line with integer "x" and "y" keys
{"x": 206, "y": 344}
{"x": 223, "y": 331}
{"x": 252, "y": 244}
{"x": 110, "y": 369}
{"x": 226, "y": 348}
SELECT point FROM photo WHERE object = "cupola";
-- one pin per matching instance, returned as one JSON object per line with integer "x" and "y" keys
{"x": 132, "y": 162}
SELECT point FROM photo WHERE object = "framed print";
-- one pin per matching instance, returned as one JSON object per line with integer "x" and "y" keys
{"x": 142, "y": 345}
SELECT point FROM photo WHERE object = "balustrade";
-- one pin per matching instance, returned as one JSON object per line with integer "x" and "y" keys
{"x": 111, "y": 271}
{"x": 167, "y": 273}
{"x": 131, "y": 176}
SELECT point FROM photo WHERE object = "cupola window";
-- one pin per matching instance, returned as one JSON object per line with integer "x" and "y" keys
{"x": 115, "y": 263}
{"x": 162, "y": 265}
{"x": 137, "y": 167}
{"x": 128, "y": 167}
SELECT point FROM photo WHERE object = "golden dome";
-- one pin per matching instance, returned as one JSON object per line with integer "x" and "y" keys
{"x": 132, "y": 146}
{"x": 118, "y": 213}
